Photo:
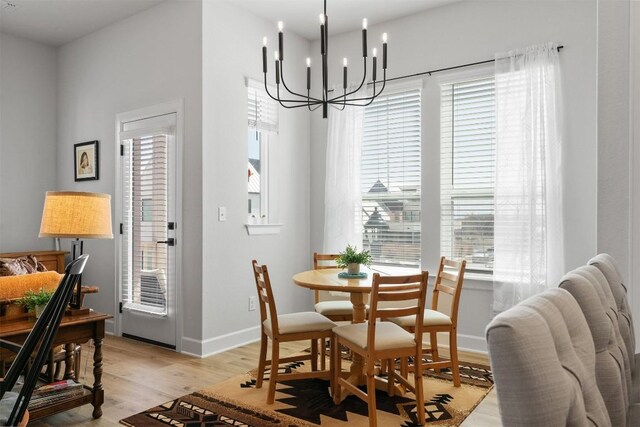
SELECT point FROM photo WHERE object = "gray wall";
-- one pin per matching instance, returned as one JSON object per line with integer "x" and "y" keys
{"x": 474, "y": 31}
{"x": 232, "y": 50}
{"x": 27, "y": 140}
{"x": 147, "y": 59}
{"x": 613, "y": 131}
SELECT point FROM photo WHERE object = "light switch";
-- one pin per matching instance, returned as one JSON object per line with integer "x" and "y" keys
{"x": 222, "y": 213}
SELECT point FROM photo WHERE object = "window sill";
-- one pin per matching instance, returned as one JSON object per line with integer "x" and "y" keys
{"x": 262, "y": 229}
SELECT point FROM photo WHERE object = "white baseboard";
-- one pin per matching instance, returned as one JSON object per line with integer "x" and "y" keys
{"x": 222, "y": 343}
{"x": 109, "y": 327}
{"x": 472, "y": 343}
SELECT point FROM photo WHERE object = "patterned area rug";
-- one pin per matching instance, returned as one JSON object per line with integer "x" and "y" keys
{"x": 307, "y": 403}
{"x": 470, "y": 373}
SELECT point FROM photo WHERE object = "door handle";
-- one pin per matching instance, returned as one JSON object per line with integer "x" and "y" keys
{"x": 170, "y": 241}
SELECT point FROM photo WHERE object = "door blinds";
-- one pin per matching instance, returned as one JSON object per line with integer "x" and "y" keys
{"x": 390, "y": 178}
{"x": 145, "y": 236}
{"x": 467, "y": 171}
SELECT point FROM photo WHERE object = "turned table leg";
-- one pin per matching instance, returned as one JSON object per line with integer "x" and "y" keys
{"x": 69, "y": 362}
{"x": 359, "y": 316}
{"x": 98, "y": 392}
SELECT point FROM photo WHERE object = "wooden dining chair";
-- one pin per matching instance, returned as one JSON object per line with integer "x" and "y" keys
{"x": 448, "y": 281}
{"x": 386, "y": 341}
{"x": 285, "y": 328}
{"x": 336, "y": 310}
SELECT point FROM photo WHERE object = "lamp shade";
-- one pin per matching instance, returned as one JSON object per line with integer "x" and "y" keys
{"x": 79, "y": 215}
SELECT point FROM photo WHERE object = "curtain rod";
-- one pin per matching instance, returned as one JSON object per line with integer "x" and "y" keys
{"x": 439, "y": 70}
{"x": 488, "y": 61}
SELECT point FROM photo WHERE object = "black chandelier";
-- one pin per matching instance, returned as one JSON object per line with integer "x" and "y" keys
{"x": 297, "y": 100}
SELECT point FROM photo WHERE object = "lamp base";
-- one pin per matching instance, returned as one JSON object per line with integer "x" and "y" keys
{"x": 77, "y": 311}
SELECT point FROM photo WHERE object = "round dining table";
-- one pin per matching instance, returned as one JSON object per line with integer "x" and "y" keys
{"x": 327, "y": 280}
{"x": 358, "y": 289}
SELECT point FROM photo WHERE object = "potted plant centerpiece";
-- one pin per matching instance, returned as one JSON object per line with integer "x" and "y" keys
{"x": 35, "y": 301}
{"x": 351, "y": 259}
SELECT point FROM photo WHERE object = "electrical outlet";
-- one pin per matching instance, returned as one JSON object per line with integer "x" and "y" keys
{"x": 252, "y": 303}
{"x": 222, "y": 213}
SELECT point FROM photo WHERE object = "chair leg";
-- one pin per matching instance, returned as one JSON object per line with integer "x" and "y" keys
{"x": 332, "y": 369}
{"x": 323, "y": 356}
{"x": 419, "y": 390}
{"x": 314, "y": 354}
{"x": 273, "y": 378}
{"x": 371, "y": 394}
{"x": 404, "y": 367}
{"x": 453, "y": 353}
{"x": 433, "y": 342}
{"x": 262, "y": 360}
{"x": 391, "y": 376}
{"x": 336, "y": 368}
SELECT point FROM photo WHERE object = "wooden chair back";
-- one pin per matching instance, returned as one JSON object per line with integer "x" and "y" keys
{"x": 322, "y": 262}
{"x": 265, "y": 296}
{"x": 449, "y": 281}
{"x": 408, "y": 291}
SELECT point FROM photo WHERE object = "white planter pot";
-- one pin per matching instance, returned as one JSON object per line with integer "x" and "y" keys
{"x": 353, "y": 268}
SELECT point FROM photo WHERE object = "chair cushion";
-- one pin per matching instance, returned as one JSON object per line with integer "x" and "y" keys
{"x": 307, "y": 321}
{"x": 334, "y": 308}
{"x": 6, "y": 406}
{"x": 388, "y": 335}
{"x": 431, "y": 318}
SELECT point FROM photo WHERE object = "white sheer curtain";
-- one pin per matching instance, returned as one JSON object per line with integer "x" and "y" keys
{"x": 528, "y": 239}
{"x": 342, "y": 194}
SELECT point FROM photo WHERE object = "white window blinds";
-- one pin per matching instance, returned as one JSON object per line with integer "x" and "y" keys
{"x": 145, "y": 232}
{"x": 467, "y": 169}
{"x": 390, "y": 178}
{"x": 262, "y": 110}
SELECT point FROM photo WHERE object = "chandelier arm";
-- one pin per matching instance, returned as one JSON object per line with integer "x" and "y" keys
{"x": 304, "y": 102}
{"x": 367, "y": 98}
{"x": 364, "y": 76}
{"x": 292, "y": 92}
{"x": 340, "y": 108}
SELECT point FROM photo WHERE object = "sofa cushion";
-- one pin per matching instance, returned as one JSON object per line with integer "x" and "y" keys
{"x": 610, "y": 363}
{"x": 543, "y": 361}
{"x": 607, "y": 265}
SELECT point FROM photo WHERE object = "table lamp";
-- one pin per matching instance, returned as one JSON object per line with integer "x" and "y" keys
{"x": 76, "y": 215}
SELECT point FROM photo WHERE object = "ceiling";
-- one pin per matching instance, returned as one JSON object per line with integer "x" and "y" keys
{"x": 301, "y": 16}
{"x": 56, "y": 22}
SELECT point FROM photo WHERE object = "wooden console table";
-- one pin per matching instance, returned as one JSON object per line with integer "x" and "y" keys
{"x": 73, "y": 330}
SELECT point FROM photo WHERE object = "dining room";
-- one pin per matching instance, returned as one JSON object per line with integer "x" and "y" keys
{"x": 331, "y": 212}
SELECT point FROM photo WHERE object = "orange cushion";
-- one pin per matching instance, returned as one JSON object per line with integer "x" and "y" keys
{"x": 12, "y": 287}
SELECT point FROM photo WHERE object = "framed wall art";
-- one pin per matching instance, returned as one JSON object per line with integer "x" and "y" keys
{"x": 86, "y": 161}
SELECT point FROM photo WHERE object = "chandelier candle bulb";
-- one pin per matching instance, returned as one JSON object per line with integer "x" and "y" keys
{"x": 264, "y": 59}
{"x": 375, "y": 66}
{"x": 280, "y": 26}
{"x": 384, "y": 51}
{"x": 322, "y": 19}
{"x": 364, "y": 42}
{"x": 344, "y": 70}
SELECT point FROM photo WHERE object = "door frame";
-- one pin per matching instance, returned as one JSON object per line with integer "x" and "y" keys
{"x": 177, "y": 107}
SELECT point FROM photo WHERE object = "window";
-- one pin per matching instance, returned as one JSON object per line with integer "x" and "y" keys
{"x": 263, "y": 125}
{"x": 467, "y": 172}
{"x": 390, "y": 179}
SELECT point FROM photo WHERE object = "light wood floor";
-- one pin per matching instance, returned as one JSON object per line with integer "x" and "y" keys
{"x": 138, "y": 376}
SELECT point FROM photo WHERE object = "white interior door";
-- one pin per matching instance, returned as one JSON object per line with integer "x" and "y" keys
{"x": 148, "y": 259}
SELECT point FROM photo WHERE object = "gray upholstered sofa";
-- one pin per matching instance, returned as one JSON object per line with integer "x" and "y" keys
{"x": 566, "y": 357}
